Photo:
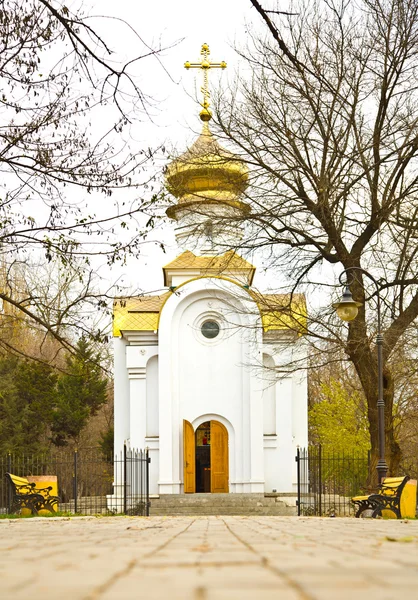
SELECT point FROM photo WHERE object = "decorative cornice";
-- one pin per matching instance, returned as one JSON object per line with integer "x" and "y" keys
{"x": 137, "y": 373}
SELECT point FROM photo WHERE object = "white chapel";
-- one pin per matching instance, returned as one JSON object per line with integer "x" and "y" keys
{"x": 197, "y": 368}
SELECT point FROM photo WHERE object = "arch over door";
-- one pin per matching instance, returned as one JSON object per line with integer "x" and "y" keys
{"x": 219, "y": 473}
{"x": 189, "y": 458}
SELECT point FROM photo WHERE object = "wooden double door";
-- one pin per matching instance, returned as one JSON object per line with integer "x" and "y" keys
{"x": 206, "y": 460}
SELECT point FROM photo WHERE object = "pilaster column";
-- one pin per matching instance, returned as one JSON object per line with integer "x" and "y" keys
{"x": 138, "y": 406}
{"x": 284, "y": 429}
{"x": 169, "y": 426}
{"x": 256, "y": 436}
{"x": 121, "y": 385}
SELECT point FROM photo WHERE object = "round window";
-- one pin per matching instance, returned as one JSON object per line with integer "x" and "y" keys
{"x": 210, "y": 329}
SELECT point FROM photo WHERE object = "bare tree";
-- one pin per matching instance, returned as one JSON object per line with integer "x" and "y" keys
{"x": 50, "y": 306}
{"x": 328, "y": 126}
{"x": 66, "y": 106}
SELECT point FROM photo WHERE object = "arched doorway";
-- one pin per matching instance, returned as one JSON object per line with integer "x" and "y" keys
{"x": 206, "y": 458}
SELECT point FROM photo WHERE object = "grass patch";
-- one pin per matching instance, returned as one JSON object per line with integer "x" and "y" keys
{"x": 46, "y": 515}
{"x": 62, "y": 514}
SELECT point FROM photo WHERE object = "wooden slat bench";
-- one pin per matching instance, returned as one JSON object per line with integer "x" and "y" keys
{"x": 27, "y": 495}
{"x": 388, "y": 498}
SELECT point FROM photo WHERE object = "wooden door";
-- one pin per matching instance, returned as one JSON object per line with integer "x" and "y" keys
{"x": 189, "y": 458}
{"x": 219, "y": 466}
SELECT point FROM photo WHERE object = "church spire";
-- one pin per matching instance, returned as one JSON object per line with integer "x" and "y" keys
{"x": 208, "y": 182}
{"x": 205, "y": 65}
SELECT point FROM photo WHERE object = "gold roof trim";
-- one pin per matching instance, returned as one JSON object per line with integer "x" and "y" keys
{"x": 230, "y": 261}
{"x": 278, "y": 311}
{"x": 139, "y": 313}
{"x": 282, "y": 311}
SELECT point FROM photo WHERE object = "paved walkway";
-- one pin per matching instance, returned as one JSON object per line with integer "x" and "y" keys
{"x": 208, "y": 558}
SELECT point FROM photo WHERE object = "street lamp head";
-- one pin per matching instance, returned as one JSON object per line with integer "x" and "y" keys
{"x": 347, "y": 308}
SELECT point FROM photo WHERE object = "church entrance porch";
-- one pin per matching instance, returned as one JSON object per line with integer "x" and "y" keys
{"x": 206, "y": 460}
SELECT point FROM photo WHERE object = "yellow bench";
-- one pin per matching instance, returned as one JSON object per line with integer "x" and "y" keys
{"x": 26, "y": 495}
{"x": 387, "y": 500}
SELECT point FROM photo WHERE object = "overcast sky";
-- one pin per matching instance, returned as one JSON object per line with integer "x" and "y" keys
{"x": 180, "y": 27}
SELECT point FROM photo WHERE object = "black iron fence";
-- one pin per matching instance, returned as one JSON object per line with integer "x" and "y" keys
{"x": 87, "y": 483}
{"x": 327, "y": 481}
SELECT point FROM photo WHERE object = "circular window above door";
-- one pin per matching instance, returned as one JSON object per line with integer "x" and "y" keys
{"x": 210, "y": 329}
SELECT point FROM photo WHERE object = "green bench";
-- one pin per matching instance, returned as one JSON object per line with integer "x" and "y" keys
{"x": 26, "y": 495}
{"x": 387, "y": 498}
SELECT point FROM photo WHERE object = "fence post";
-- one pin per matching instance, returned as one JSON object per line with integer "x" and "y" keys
{"x": 320, "y": 478}
{"x": 297, "y": 458}
{"x": 125, "y": 473}
{"x": 147, "y": 481}
{"x": 75, "y": 482}
{"x": 9, "y": 492}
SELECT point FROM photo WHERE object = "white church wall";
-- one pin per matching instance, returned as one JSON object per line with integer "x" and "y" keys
{"x": 278, "y": 450}
{"x": 204, "y": 232}
{"x": 269, "y": 396}
{"x": 271, "y": 466}
{"x": 212, "y": 379}
{"x": 137, "y": 358}
{"x": 137, "y": 397}
{"x": 300, "y": 413}
{"x": 254, "y": 357}
{"x": 285, "y": 455}
{"x": 300, "y": 403}
{"x": 168, "y": 421}
{"x": 121, "y": 387}
{"x": 142, "y": 369}
{"x": 152, "y": 418}
{"x": 153, "y": 444}
{"x": 152, "y": 397}
{"x": 271, "y": 417}
{"x": 199, "y": 377}
{"x": 121, "y": 407}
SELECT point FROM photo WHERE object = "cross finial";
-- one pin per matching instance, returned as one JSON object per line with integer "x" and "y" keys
{"x": 205, "y": 65}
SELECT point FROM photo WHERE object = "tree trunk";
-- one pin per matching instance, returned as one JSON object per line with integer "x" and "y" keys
{"x": 364, "y": 359}
{"x": 392, "y": 449}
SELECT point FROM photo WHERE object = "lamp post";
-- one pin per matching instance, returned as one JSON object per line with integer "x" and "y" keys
{"x": 347, "y": 310}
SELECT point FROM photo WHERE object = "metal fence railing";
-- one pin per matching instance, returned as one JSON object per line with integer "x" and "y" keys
{"x": 87, "y": 482}
{"x": 327, "y": 481}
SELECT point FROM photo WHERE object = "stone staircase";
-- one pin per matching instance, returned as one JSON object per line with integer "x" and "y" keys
{"x": 223, "y": 504}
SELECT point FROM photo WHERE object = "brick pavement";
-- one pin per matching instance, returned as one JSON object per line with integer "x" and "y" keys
{"x": 207, "y": 558}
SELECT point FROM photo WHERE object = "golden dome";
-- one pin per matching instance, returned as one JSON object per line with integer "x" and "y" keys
{"x": 207, "y": 173}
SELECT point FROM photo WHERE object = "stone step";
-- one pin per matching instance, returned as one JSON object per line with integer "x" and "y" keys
{"x": 200, "y": 504}
{"x": 243, "y": 498}
{"x": 199, "y": 495}
{"x": 213, "y": 506}
{"x": 219, "y": 500}
{"x": 219, "y": 511}
{"x": 223, "y": 504}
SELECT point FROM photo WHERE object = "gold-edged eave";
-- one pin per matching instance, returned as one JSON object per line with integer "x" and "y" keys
{"x": 137, "y": 313}
{"x": 210, "y": 266}
{"x": 278, "y": 311}
{"x": 282, "y": 311}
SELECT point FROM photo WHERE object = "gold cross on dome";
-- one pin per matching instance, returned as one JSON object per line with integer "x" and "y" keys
{"x": 205, "y": 65}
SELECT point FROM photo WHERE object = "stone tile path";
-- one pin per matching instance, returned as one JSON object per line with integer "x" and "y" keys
{"x": 208, "y": 558}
